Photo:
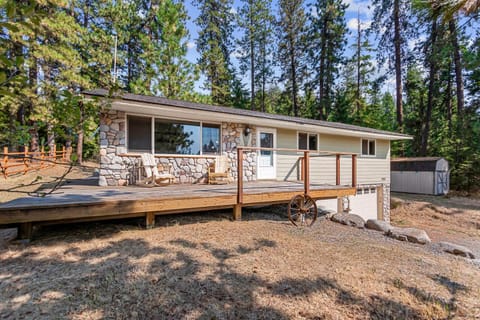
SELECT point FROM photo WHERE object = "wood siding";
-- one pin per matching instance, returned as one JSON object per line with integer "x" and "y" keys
{"x": 370, "y": 169}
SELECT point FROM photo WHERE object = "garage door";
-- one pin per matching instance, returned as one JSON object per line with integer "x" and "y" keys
{"x": 364, "y": 203}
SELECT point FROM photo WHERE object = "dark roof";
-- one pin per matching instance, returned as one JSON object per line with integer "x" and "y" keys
{"x": 240, "y": 112}
{"x": 416, "y": 159}
{"x": 414, "y": 164}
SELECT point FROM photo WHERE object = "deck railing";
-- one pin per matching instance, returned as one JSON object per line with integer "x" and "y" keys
{"x": 21, "y": 162}
{"x": 303, "y": 159}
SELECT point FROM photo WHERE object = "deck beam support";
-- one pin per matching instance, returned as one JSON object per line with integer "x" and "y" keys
{"x": 25, "y": 231}
{"x": 149, "y": 220}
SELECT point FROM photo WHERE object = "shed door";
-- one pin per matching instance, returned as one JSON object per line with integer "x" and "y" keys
{"x": 443, "y": 183}
{"x": 266, "y": 158}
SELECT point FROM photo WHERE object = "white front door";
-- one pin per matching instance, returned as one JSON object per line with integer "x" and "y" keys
{"x": 266, "y": 162}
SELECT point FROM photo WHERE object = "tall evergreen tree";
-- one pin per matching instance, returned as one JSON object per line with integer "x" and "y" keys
{"x": 214, "y": 45}
{"x": 257, "y": 24}
{"x": 393, "y": 29}
{"x": 327, "y": 40}
{"x": 292, "y": 48}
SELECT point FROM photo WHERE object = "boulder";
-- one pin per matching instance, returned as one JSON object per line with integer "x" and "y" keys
{"x": 378, "y": 225}
{"x": 409, "y": 234}
{"x": 347, "y": 219}
{"x": 456, "y": 249}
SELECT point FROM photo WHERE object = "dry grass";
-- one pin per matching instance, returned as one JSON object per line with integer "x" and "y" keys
{"x": 21, "y": 185}
{"x": 203, "y": 266}
{"x": 454, "y": 219}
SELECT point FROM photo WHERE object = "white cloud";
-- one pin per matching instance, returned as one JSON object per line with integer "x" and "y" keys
{"x": 361, "y": 7}
{"x": 352, "y": 24}
{"x": 191, "y": 45}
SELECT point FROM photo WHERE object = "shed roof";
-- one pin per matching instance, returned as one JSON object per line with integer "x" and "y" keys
{"x": 418, "y": 164}
{"x": 242, "y": 112}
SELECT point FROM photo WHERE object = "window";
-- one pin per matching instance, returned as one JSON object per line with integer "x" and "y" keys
{"x": 368, "y": 147}
{"x": 172, "y": 136}
{"x": 210, "y": 139}
{"x": 307, "y": 141}
{"x": 175, "y": 137}
{"x": 139, "y": 134}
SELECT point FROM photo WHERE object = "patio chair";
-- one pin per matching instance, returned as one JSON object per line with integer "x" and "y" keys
{"x": 219, "y": 171}
{"x": 153, "y": 176}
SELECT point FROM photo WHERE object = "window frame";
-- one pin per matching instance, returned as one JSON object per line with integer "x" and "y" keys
{"x": 152, "y": 135}
{"x": 368, "y": 155}
{"x": 308, "y": 141}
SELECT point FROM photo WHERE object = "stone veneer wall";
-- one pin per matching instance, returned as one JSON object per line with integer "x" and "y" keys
{"x": 117, "y": 168}
{"x": 386, "y": 202}
{"x": 232, "y": 136}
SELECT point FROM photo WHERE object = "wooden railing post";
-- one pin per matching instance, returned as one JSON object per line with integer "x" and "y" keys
{"x": 42, "y": 156}
{"x": 306, "y": 172}
{"x": 64, "y": 154}
{"x": 25, "y": 160}
{"x": 237, "y": 208}
{"x": 54, "y": 154}
{"x": 337, "y": 171}
{"x": 354, "y": 170}
{"x": 5, "y": 161}
{"x": 239, "y": 175}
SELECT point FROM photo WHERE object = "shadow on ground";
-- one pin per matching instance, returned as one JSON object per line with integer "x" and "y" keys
{"x": 131, "y": 278}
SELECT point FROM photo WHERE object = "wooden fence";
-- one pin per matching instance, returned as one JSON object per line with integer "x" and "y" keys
{"x": 22, "y": 162}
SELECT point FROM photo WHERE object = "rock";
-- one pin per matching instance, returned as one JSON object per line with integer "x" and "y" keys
{"x": 349, "y": 220}
{"x": 456, "y": 249}
{"x": 378, "y": 225}
{"x": 409, "y": 234}
{"x": 102, "y": 181}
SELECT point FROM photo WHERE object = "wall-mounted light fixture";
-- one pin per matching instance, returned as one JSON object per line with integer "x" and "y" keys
{"x": 247, "y": 131}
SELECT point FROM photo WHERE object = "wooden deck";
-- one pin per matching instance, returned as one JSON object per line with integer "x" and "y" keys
{"x": 80, "y": 201}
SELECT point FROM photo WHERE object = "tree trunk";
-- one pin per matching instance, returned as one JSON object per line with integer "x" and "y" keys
{"x": 359, "y": 54}
{"x": 80, "y": 133}
{"x": 448, "y": 98}
{"x": 293, "y": 66}
{"x": 398, "y": 63}
{"x": 457, "y": 59}
{"x": 321, "y": 74}
{"x": 252, "y": 58}
{"x": 431, "y": 90}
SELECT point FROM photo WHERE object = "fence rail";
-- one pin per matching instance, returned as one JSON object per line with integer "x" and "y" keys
{"x": 22, "y": 162}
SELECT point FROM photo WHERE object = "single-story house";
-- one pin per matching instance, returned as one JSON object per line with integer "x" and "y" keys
{"x": 189, "y": 136}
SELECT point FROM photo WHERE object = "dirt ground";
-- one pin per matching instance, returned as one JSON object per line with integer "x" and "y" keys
{"x": 205, "y": 266}
{"x": 452, "y": 218}
{"x": 43, "y": 180}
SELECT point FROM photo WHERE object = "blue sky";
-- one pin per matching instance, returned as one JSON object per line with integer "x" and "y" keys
{"x": 355, "y": 8}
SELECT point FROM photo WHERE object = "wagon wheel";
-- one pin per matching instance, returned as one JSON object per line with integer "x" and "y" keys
{"x": 302, "y": 210}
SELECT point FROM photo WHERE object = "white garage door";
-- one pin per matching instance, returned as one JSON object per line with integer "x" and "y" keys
{"x": 364, "y": 203}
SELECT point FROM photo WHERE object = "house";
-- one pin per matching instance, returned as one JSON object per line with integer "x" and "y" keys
{"x": 189, "y": 136}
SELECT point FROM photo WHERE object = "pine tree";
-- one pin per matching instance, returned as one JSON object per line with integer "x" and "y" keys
{"x": 327, "y": 39}
{"x": 175, "y": 75}
{"x": 392, "y": 27}
{"x": 214, "y": 45}
{"x": 257, "y": 25}
{"x": 292, "y": 48}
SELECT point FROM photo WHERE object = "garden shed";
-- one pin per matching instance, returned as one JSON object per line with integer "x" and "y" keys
{"x": 427, "y": 175}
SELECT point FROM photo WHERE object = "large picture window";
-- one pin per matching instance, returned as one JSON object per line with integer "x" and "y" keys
{"x": 172, "y": 136}
{"x": 307, "y": 141}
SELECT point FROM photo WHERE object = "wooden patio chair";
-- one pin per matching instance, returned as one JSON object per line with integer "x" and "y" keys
{"x": 219, "y": 171}
{"x": 153, "y": 176}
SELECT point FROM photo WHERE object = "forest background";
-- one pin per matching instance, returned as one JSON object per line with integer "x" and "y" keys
{"x": 399, "y": 65}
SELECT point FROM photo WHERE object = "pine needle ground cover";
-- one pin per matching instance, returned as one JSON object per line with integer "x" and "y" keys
{"x": 204, "y": 266}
